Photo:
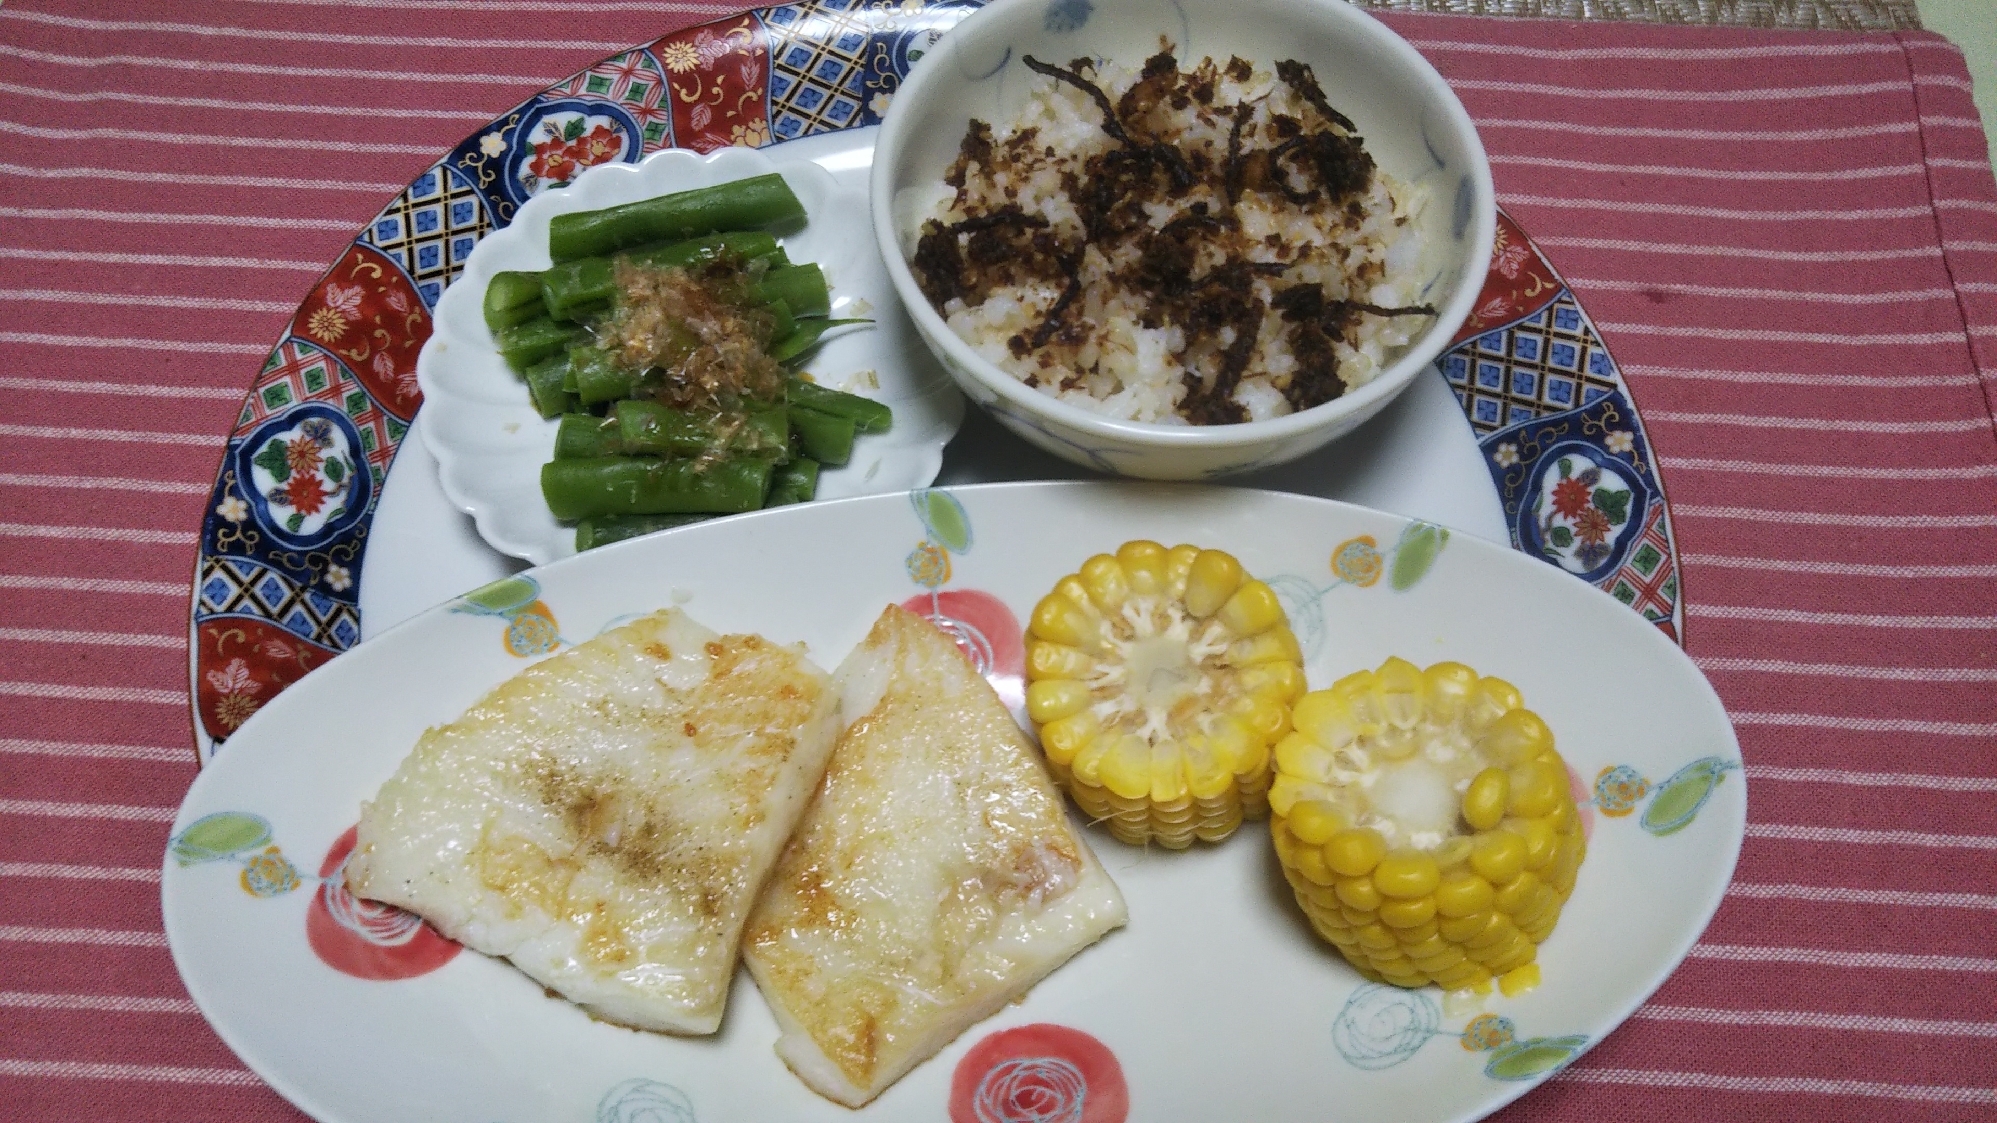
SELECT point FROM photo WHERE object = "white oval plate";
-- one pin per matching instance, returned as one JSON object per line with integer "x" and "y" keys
{"x": 490, "y": 443}
{"x": 1217, "y": 1002}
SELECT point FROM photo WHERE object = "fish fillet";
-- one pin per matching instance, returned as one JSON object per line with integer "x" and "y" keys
{"x": 934, "y": 879}
{"x": 604, "y": 818}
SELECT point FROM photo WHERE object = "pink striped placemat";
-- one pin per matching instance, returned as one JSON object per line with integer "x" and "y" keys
{"x": 1788, "y": 240}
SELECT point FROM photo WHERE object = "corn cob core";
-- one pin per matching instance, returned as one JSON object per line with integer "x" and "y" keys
{"x": 1157, "y": 680}
{"x": 1424, "y": 820}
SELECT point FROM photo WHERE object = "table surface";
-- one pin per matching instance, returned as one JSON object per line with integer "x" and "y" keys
{"x": 1787, "y": 238}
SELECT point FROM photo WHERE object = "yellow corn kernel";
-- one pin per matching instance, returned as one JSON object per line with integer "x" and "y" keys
{"x": 1411, "y": 934}
{"x": 1519, "y": 980}
{"x": 1212, "y": 579}
{"x": 1106, "y": 581}
{"x": 1062, "y": 738}
{"x": 1055, "y": 699}
{"x": 1285, "y": 791}
{"x": 1401, "y": 692}
{"x": 1491, "y": 700}
{"x": 1447, "y": 687}
{"x": 1541, "y": 843}
{"x": 1423, "y": 949}
{"x": 1282, "y": 681}
{"x": 1484, "y": 801}
{"x": 1127, "y": 769}
{"x": 1234, "y": 744}
{"x": 1253, "y": 608}
{"x": 1408, "y": 913}
{"x": 1310, "y": 863}
{"x": 1061, "y": 620}
{"x": 1447, "y": 959}
{"x": 1451, "y": 854}
{"x": 1516, "y": 894}
{"x": 1518, "y": 735}
{"x": 1269, "y": 718}
{"x": 1206, "y": 778}
{"x": 1357, "y": 918}
{"x": 1375, "y": 936}
{"x": 1315, "y": 821}
{"x": 1354, "y": 852}
{"x": 1498, "y": 856}
{"x": 1406, "y": 873}
{"x": 1178, "y": 564}
{"x": 1168, "y": 773}
{"x": 1536, "y": 789}
{"x": 1462, "y": 929}
{"x": 1278, "y": 644}
{"x": 1359, "y": 893}
{"x": 1302, "y": 758}
{"x": 1463, "y": 893}
{"x": 1324, "y": 716}
{"x": 1087, "y": 767}
{"x": 1046, "y": 660}
{"x": 1144, "y": 561}
{"x": 1498, "y": 932}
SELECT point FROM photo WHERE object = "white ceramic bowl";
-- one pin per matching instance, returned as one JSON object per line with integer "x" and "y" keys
{"x": 1412, "y": 123}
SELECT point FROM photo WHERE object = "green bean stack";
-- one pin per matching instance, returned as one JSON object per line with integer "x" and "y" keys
{"x": 627, "y": 463}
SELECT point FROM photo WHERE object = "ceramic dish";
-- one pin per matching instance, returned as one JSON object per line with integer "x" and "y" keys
{"x": 1412, "y": 123}
{"x": 1216, "y": 1002}
{"x": 489, "y": 441}
{"x": 1526, "y": 385}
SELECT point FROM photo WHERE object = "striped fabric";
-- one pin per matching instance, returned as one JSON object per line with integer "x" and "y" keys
{"x": 1788, "y": 240}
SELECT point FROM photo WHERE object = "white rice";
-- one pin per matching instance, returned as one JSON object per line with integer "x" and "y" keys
{"x": 1108, "y": 361}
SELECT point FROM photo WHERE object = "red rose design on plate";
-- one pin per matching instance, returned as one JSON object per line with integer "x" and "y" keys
{"x": 365, "y": 939}
{"x": 987, "y": 633}
{"x": 1041, "y": 1073}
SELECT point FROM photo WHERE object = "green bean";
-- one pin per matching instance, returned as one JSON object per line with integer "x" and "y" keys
{"x": 784, "y": 324}
{"x": 581, "y": 436}
{"x": 823, "y": 437}
{"x": 598, "y": 377}
{"x": 802, "y": 287}
{"x": 795, "y": 482}
{"x": 805, "y": 337}
{"x": 646, "y": 485}
{"x": 602, "y": 530}
{"x": 866, "y": 414}
{"x": 513, "y": 297}
{"x": 544, "y": 386}
{"x": 748, "y": 204}
{"x": 746, "y": 245}
{"x": 575, "y": 285}
{"x": 653, "y": 429}
{"x": 523, "y": 345}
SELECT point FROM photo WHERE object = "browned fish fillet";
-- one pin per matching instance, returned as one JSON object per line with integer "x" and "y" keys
{"x": 604, "y": 818}
{"x": 935, "y": 878}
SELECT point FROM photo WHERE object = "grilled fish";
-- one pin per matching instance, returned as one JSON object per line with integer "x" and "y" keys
{"x": 935, "y": 878}
{"x": 604, "y": 818}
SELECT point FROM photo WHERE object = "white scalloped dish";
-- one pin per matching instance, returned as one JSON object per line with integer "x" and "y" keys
{"x": 490, "y": 443}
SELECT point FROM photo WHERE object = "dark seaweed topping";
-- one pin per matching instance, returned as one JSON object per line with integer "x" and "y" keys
{"x": 1298, "y": 76}
{"x": 1112, "y": 123}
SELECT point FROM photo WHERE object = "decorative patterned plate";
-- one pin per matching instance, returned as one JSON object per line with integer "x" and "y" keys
{"x": 295, "y": 506}
{"x": 1217, "y": 1002}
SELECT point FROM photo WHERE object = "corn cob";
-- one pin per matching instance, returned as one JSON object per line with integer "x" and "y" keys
{"x": 1425, "y": 822}
{"x": 1158, "y": 679}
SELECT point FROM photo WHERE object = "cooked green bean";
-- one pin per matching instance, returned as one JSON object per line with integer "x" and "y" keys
{"x": 866, "y": 414}
{"x": 598, "y": 377}
{"x": 805, "y": 337}
{"x": 574, "y": 285}
{"x": 749, "y": 204}
{"x": 513, "y": 297}
{"x": 602, "y": 530}
{"x": 823, "y": 437}
{"x": 660, "y": 430}
{"x": 523, "y": 345}
{"x": 795, "y": 482}
{"x": 748, "y": 245}
{"x": 544, "y": 386}
{"x": 581, "y": 436}
{"x": 647, "y": 485}
{"x": 802, "y": 287}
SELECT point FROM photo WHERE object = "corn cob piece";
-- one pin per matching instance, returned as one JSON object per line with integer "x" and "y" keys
{"x": 1158, "y": 680}
{"x": 1425, "y": 822}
